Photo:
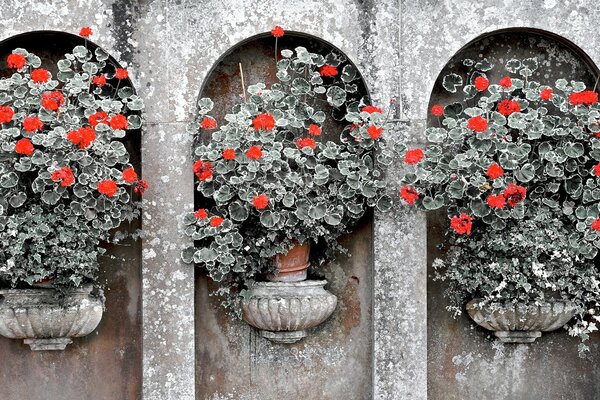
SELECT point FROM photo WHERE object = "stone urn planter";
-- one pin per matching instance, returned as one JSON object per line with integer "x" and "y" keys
{"x": 522, "y": 322}
{"x": 46, "y": 322}
{"x": 284, "y": 311}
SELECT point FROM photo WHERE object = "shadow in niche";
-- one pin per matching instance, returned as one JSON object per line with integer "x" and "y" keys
{"x": 107, "y": 363}
{"x": 464, "y": 361}
{"x": 231, "y": 358}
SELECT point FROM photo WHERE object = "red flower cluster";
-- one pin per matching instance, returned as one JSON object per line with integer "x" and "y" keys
{"x": 462, "y": 224}
{"x": 596, "y": 224}
{"x": 505, "y": 82}
{"x": 121, "y": 73}
{"x": 107, "y": 187}
{"x": 264, "y": 122}
{"x": 413, "y": 156}
{"x": 85, "y": 32}
{"x": 216, "y": 221}
{"x": 495, "y": 171}
{"x": 314, "y": 130}
{"x": 597, "y": 169}
{"x": 306, "y": 142}
{"x": 481, "y": 83}
{"x": 129, "y": 175}
{"x": 514, "y": 194}
{"x": 277, "y": 31}
{"x": 254, "y": 153}
{"x": 328, "y": 70}
{"x": 32, "y": 124}
{"x": 496, "y": 201}
{"x": 24, "y": 147}
{"x": 99, "y": 117}
{"x": 374, "y": 132}
{"x": 203, "y": 170}
{"x": 208, "y": 123}
{"x": 16, "y": 60}
{"x": 437, "y": 110}
{"x": 477, "y": 124}
{"x": 507, "y": 107}
{"x": 82, "y": 137}
{"x": 53, "y": 100}
{"x": 40, "y": 75}
{"x": 140, "y": 186}
{"x": 118, "y": 122}
{"x": 229, "y": 154}
{"x": 201, "y": 213}
{"x": 409, "y": 194}
{"x": 546, "y": 94}
{"x": 260, "y": 202}
{"x": 6, "y": 114}
{"x": 586, "y": 97}
{"x": 99, "y": 80}
{"x": 63, "y": 175}
{"x": 370, "y": 109}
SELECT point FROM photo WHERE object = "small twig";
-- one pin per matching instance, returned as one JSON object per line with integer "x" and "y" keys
{"x": 243, "y": 85}
{"x": 596, "y": 84}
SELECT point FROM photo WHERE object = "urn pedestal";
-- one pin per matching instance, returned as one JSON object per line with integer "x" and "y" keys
{"x": 521, "y": 322}
{"x": 45, "y": 321}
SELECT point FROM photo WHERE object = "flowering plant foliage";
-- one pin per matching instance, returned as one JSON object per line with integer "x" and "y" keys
{"x": 516, "y": 164}
{"x": 269, "y": 179}
{"x": 65, "y": 176}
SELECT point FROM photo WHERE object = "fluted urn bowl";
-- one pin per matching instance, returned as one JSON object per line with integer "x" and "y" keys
{"x": 283, "y": 311}
{"x": 522, "y": 322}
{"x": 45, "y": 321}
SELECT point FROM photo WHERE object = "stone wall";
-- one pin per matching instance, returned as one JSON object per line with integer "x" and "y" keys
{"x": 400, "y": 47}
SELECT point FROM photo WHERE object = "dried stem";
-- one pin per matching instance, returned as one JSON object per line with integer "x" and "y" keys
{"x": 596, "y": 84}
{"x": 243, "y": 84}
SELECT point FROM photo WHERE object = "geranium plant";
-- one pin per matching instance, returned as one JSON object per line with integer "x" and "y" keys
{"x": 269, "y": 181}
{"x": 65, "y": 176}
{"x": 516, "y": 165}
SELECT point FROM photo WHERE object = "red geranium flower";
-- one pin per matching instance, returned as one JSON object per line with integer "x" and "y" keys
{"x": 314, "y": 130}
{"x": 53, "y": 100}
{"x": 99, "y": 80}
{"x": 107, "y": 187}
{"x": 129, "y": 175}
{"x": 254, "y": 153}
{"x": 496, "y": 201}
{"x": 16, "y": 60}
{"x": 437, "y": 110}
{"x": 208, "y": 123}
{"x": 306, "y": 142}
{"x": 40, "y": 75}
{"x": 118, "y": 121}
{"x": 507, "y": 107}
{"x": 32, "y": 124}
{"x": 140, "y": 186}
{"x": 99, "y": 117}
{"x": 506, "y": 82}
{"x": 596, "y": 224}
{"x": 85, "y": 32}
{"x": 201, "y": 213}
{"x": 264, "y": 121}
{"x": 481, "y": 83}
{"x": 409, "y": 194}
{"x": 277, "y": 31}
{"x": 370, "y": 109}
{"x": 24, "y": 147}
{"x": 546, "y": 94}
{"x": 260, "y": 202}
{"x": 414, "y": 156}
{"x": 374, "y": 132}
{"x": 82, "y": 137}
{"x": 477, "y": 124}
{"x": 597, "y": 169}
{"x": 495, "y": 171}
{"x": 514, "y": 194}
{"x": 328, "y": 70}
{"x": 121, "y": 73}
{"x": 586, "y": 97}
{"x": 63, "y": 175}
{"x": 216, "y": 221}
{"x": 229, "y": 154}
{"x": 462, "y": 224}
{"x": 6, "y": 114}
{"x": 203, "y": 170}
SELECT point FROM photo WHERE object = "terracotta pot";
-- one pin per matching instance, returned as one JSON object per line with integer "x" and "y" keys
{"x": 292, "y": 267}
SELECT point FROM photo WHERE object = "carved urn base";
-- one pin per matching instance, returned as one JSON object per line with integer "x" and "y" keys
{"x": 521, "y": 322}
{"x": 46, "y": 322}
{"x": 284, "y": 311}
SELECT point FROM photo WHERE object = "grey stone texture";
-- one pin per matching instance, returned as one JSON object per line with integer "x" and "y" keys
{"x": 400, "y": 47}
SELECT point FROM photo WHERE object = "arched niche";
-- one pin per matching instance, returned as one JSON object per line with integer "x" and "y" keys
{"x": 464, "y": 361}
{"x": 106, "y": 363}
{"x": 230, "y": 355}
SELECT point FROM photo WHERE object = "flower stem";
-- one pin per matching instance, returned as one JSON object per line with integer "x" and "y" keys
{"x": 243, "y": 85}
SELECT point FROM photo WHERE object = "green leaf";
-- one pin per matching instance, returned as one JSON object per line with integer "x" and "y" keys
{"x": 336, "y": 96}
{"x": 451, "y": 81}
